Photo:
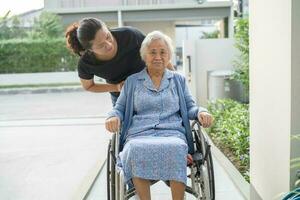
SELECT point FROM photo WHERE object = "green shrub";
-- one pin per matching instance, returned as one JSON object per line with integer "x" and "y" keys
{"x": 42, "y": 55}
{"x": 230, "y": 131}
{"x": 241, "y": 62}
{"x": 209, "y": 35}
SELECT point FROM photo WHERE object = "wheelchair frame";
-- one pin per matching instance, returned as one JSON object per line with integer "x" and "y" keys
{"x": 202, "y": 184}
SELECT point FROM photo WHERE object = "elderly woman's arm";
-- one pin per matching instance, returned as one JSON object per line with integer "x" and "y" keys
{"x": 116, "y": 115}
{"x": 194, "y": 111}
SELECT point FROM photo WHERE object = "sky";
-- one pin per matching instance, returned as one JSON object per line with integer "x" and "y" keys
{"x": 19, "y": 6}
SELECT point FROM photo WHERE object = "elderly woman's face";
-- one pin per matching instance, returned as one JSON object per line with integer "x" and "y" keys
{"x": 157, "y": 56}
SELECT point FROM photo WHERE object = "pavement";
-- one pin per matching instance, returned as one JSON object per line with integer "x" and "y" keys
{"x": 52, "y": 145}
{"x": 225, "y": 189}
{"x": 45, "y": 160}
{"x": 40, "y": 82}
{"x": 39, "y": 78}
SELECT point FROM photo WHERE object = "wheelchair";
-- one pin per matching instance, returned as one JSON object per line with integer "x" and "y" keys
{"x": 201, "y": 184}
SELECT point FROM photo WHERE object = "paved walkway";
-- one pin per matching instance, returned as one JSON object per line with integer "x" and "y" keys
{"x": 39, "y": 78}
{"x": 50, "y": 159}
{"x": 48, "y": 82}
{"x": 52, "y": 82}
{"x": 51, "y": 145}
{"x": 225, "y": 189}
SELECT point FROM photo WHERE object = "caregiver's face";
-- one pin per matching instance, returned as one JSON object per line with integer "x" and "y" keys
{"x": 157, "y": 56}
{"x": 104, "y": 45}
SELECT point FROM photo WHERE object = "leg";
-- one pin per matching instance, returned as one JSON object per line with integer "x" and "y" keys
{"x": 142, "y": 187}
{"x": 177, "y": 189}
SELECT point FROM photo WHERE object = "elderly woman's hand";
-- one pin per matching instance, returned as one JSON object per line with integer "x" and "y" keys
{"x": 205, "y": 119}
{"x": 112, "y": 124}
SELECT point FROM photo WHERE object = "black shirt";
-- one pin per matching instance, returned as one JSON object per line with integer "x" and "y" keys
{"x": 127, "y": 61}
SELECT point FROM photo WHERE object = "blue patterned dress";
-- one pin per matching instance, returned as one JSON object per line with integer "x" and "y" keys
{"x": 155, "y": 146}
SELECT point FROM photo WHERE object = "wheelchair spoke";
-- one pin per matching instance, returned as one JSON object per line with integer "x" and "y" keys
{"x": 204, "y": 181}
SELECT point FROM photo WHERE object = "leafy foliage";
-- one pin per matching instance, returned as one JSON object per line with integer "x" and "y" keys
{"x": 12, "y": 31}
{"x": 230, "y": 131}
{"x": 4, "y": 29}
{"x": 41, "y": 49}
{"x": 48, "y": 25}
{"x": 208, "y": 35}
{"x": 16, "y": 30}
{"x": 241, "y": 63}
{"x": 29, "y": 55}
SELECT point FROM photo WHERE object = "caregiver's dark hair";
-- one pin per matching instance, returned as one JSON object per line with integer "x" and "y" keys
{"x": 79, "y": 35}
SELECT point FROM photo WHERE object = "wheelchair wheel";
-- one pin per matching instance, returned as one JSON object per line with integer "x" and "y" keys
{"x": 111, "y": 170}
{"x": 205, "y": 184}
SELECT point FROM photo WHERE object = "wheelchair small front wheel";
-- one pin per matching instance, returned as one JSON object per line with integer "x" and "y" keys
{"x": 204, "y": 183}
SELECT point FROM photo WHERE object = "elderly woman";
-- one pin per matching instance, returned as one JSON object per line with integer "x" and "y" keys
{"x": 154, "y": 107}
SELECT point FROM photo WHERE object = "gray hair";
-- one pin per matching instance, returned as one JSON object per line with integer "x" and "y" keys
{"x": 156, "y": 35}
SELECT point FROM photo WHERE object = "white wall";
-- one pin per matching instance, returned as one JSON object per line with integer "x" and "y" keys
{"x": 48, "y": 4}
{"x": 189, "y": 65}
{"x": 207, "y": 55}
{"x": 189, "y": 33}
{"x": 295, "y": 125}
{"x": 166, "y": 27}
{"x": 270, "y": 97}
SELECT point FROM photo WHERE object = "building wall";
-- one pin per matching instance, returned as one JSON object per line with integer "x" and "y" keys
{"x": 207, "y": 55}
{"x": 112, "y": 24}
{"x": 110, "y": 3}
{"x": 190, "y": 33}
{"x": 167, "y": 27}
{"x": 295, "y": 109}
{"x": 270, "y": 97}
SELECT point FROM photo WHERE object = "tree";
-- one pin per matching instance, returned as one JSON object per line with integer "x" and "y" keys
{"x": 16, "y": 30}
{"x": 4, "y": 29}
{"x": 11, "y": 27}
{"x": 48, "y": 25}
{"x": 3, "y": 19}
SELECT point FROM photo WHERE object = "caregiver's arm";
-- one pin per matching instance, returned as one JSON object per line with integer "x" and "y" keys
{"x": 91, "y": 86}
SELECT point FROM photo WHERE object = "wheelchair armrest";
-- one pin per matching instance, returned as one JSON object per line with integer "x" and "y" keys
{"x": 196, "y": 121}
{"x": 117, "y": 143}
{"x": 114, "y": 146}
